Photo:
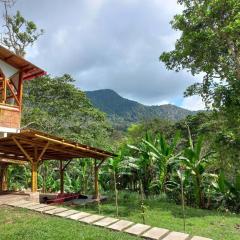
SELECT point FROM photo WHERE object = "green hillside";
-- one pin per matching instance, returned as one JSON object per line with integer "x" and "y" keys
{"x": 123, "y": 111}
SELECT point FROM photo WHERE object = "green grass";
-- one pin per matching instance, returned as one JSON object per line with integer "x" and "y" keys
{"x": 22, "y": 224}
{"x": 162, "y": 213}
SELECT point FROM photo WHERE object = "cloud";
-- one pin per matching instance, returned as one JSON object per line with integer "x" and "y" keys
{"x": 193, "y": 103}
{"x": 109, "y": 44}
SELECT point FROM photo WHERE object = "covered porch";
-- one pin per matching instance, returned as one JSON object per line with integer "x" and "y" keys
{"x": 34, "y": 147}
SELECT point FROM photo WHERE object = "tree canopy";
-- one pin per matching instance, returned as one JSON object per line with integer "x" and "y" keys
{"x": 209, "y": 44}
{"x": 18, "y": 33}
{"x": 56, "y": 106}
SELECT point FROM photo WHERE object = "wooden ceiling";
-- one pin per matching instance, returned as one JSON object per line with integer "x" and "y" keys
{"x": 29, "y": 70}
{"x": 31, "y": 145}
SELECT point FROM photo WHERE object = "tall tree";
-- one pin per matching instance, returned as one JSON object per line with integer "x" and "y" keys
{"x": 18, "y": 32}
{"x": 56, "y": 106}
{"x": 210, "y": 44}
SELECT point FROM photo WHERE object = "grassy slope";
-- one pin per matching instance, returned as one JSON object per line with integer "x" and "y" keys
{"x": 20, "y": 224}
{"x": 212, "y": 224}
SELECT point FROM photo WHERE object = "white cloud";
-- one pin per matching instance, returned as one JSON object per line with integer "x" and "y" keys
{"x": 32, "y": 52}
{"x": 164, "y": 102}
{"x": 193, "y": 103}
{"x": 60, "y": 37}
{"x": 109, "y": 44}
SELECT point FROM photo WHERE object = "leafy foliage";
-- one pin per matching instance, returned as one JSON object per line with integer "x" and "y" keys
{"x": 56, "y": 106}
{"x": 210, "y": 44}
{"x": 20, "y": 33}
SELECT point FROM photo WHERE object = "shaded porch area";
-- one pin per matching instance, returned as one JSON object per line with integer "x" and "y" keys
{"x": 34, "y": 147}
{"x": 7, "y": 197}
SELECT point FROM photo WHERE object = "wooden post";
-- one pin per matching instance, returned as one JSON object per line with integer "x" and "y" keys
{"x": 4, "y": 93}
{"x": 96, "y": 194}
{"x": 3, "y": 177}
{"x": 61, "y": 177}
{"x": 34, "y": 176}
{"x": 20, "y": 88}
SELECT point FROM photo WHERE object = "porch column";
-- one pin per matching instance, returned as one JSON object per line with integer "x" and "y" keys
{"x": 96, "y": 193}
{"x": 34, "y": 176}
{"x": 3, "y": 177}
{"x": 61, "y": 177}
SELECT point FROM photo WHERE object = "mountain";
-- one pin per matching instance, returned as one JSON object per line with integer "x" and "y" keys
{"x": 122, "y": 112}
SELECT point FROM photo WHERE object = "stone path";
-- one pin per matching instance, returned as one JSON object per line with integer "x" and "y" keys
{"x": 136, "y": 229}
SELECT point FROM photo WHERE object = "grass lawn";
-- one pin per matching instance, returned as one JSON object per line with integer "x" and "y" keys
{"x": 160, "y": 213}
{"x": 22, "y": 224}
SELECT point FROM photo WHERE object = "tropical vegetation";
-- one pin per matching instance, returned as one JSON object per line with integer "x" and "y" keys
{"x": 185, "y": 165}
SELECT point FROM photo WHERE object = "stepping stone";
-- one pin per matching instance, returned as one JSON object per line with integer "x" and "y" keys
{"x": 176, "y": 235}
{"x": 91, "y": 219}
{"x": 120, "y": 225}
{"x": 55, "y": 210}
{"x": 106, "y": 221}
{"x": 25, "y": 205}
{"x": 66, "y": 213}
{"x": 17, "y": 203}
{"x": 78, "y": 215}
{"x": 47, "y": 208}
{"x": 155, "y": 233}
{"x": 200, "y": 238}
{"x": 37, "y": 206}
{"x": 31, "y": 206}
{"x": 137, "y": 229}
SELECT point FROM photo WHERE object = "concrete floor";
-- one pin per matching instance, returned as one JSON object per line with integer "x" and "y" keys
{"x": 7, "y": 197}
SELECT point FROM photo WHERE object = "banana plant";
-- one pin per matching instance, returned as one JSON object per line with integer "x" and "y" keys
{"x": 194, "y": 162}
{"x": 229, "y": 191}
{"x": 162, "y": 152}
{"x": 119, "y": 166}
{"x": 145, "y": 162}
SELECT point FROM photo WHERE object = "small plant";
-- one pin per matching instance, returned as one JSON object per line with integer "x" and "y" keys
{"x": 181, "y": 177}
{"x": 142, "y": 206}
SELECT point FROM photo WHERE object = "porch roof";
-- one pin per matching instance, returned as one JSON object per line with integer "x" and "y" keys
{"x": 29, "y": 70}
{"x": 31, "y": 145}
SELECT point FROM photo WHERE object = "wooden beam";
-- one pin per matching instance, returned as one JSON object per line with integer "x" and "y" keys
{"x": 12, "y": 161}
{"x": 73, "y": 146}
{"x": 8, "y": 156}
{"x": 13, "y": 93}
{"x": 22, "y": 149}
{"x": 64, "y": 168}
{"x": 99, "y": 165}
{"x": 3, "y": 177}
{"x": 4, "y": 91}
{"x": 34, "y": 176}
{"x": 20, "y": 88}
{"x": 96, "y": 187}
{"x": 61, "y": 177}
{"x": 9, "y": 150}
{"x": 58, "y": 148}
{"x": 43, "y": 151}
{"x": 61, "y": 170}
{"x": 35, "y": 153}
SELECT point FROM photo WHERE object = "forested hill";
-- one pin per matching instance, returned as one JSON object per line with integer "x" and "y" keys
{"x": 124, "y": 111}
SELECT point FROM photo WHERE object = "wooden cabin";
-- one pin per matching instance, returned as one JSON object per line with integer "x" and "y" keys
{"x": 14, "y": 70}
{"x": 30, "y": 146}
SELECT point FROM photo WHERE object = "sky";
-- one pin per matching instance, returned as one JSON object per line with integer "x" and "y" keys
{"x": 111, "y": 44}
